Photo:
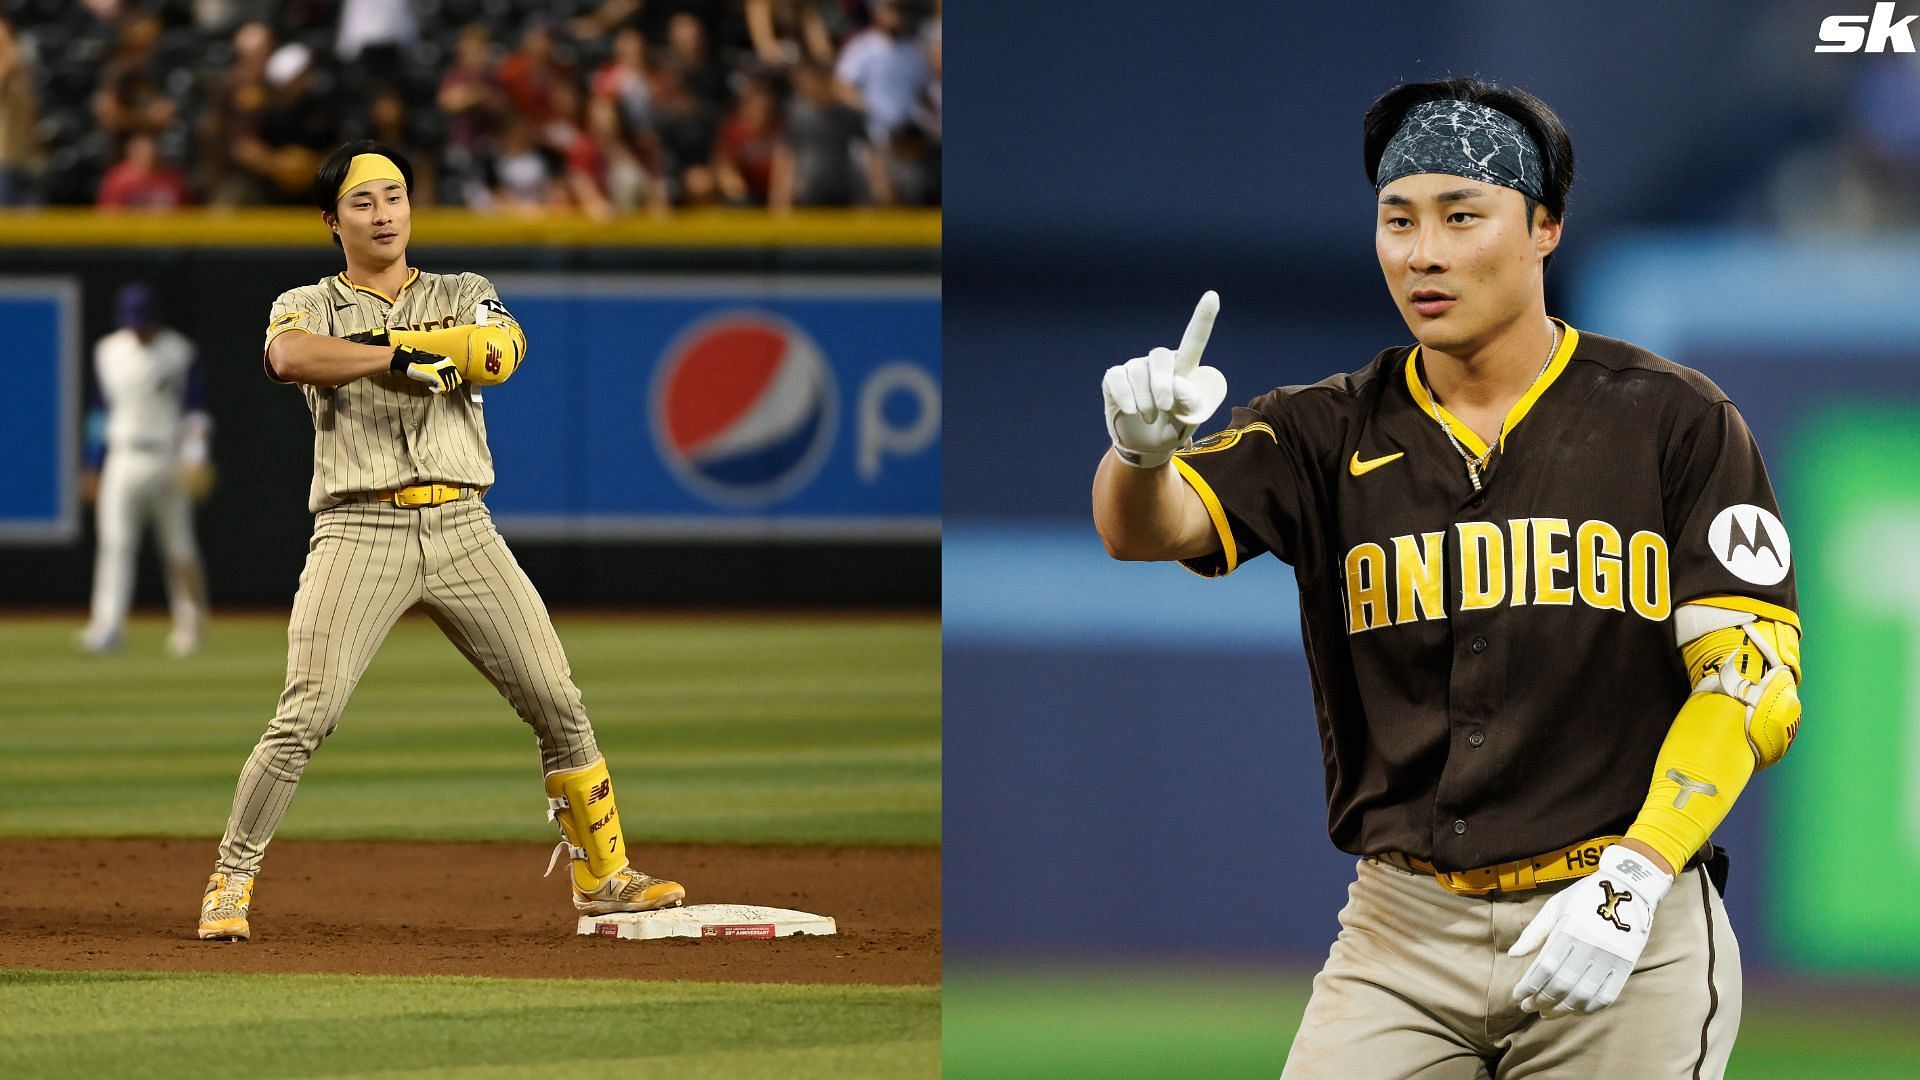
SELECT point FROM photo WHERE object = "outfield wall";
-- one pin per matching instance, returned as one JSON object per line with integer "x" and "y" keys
{"x": 616, "y": 483}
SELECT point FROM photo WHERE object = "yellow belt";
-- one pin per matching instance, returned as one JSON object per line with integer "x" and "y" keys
{"x": 417, "y": 495}
{"x": 1567, "y": 863}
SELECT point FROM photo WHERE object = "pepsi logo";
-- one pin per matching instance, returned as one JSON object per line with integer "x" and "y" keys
{"x": 744, "y": 408}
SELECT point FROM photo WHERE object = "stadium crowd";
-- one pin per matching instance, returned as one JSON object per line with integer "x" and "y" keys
{"x": 511, "y": 106}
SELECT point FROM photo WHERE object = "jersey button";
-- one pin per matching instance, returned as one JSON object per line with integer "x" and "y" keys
{"x": 1476, "y": 739}
{"x": 1479, "y": 644}
{"x": 1459, "y": 826}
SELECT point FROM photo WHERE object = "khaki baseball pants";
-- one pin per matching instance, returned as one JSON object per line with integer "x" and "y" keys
{"x": 368, "y": 564}
{"x": 1419, "y": 984}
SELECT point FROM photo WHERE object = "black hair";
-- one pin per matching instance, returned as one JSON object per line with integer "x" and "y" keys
{"x": 1549, "y": 135}
{"x": 333, "y": 171}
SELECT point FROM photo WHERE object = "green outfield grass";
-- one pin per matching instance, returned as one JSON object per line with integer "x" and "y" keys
{"x": 805, "y": 730}
{"x": 1144, "y": 1022}
{"x": 125, "y": 1024}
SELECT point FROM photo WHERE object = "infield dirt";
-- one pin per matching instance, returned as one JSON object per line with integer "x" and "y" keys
{"x": 397, "y": 908}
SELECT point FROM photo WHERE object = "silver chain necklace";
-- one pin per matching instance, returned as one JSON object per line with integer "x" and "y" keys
{"x": 1474, "y": 465}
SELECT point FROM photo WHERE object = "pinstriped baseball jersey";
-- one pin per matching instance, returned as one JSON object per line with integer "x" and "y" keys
{"x": 388, "y": 431}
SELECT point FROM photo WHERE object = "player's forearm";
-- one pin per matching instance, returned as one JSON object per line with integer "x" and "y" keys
{"x": 1149, "y": 514}
{"x": 318, "y": 360}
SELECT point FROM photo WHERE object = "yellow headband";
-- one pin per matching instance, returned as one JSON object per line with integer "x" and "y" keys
{"x": 367, "y": 167}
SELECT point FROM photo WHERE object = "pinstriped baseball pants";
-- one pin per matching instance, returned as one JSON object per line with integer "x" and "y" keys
{"x": 368, "y": 564}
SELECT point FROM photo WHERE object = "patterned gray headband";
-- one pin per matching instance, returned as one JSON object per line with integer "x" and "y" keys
{"x": 1463, "y": 138}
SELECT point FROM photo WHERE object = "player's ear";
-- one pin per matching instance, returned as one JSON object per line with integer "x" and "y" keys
{"x": 1546, "y": 231}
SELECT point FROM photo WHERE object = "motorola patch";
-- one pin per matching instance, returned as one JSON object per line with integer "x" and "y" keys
{"x": 1751, "y": 543}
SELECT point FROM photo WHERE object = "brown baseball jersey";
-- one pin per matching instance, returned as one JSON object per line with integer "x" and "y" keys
{"x": 388, "y": 431}
{"x": 1494, "y": 670}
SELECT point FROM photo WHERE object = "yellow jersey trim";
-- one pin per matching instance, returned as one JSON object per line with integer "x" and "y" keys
{"x": 1467, "y": 436}
{"x": 1225, "y": 438}
{"x": 412, "y": 276}
{"x": 1214, "y": 511}
{"x": 1751, "y": 606}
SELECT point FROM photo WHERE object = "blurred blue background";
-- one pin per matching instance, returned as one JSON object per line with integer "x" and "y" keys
{"x": 1132, "y": 774}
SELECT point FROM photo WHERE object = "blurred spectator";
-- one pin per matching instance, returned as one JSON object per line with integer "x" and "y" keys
{"x": 131, "y": 97}
{"x": 687, "y": 50}
{"x": 563, "y": 124}
{"x": 815, "y": 164}
{"x": 474, "y": 105}
{"x": 883, "y": 70}
{"x": 686, "y": 127}
{"x": 743, "y": 167}
{"x": 605, "y": 175}
{"x": 293, "y": 132}
{"x": 531, "y": 73}
{"x": 523, "y": 180}
{"x": 609, "y": 15}
{"x": 379, "y": 30}
{"x": 233, "y": 108}
{"x": 142, "y": 181}
{"x": 927, "y": 115}
{"x": 19, "y": 123}
{"x": 214, "y": 16}
{"x": 387, "y": 123}
{"x": 784, "y": 32}
{"x": 625, "y": 81}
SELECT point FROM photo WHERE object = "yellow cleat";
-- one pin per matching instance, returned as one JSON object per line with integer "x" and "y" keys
{"x": 223, "y": 910}
{"x": 628, "y": 889}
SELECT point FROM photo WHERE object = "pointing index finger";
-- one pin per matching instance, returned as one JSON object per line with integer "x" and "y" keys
{"x": 1199, "y": 328}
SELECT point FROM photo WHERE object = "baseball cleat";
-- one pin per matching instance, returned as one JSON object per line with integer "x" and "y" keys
{"x": 627, "y": 889}
{"x": 182, "y": 643}
{"x": 223, "y": 910}
{"x": 98, "y": 643}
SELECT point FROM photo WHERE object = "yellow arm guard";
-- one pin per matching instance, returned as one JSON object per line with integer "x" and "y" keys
{"x": 487, "y": 355}
{"x": 1741, "y": 718}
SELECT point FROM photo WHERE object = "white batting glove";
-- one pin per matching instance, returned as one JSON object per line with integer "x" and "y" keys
{"x": 1594, "y": 931}
{"x": 1155, "y": 401}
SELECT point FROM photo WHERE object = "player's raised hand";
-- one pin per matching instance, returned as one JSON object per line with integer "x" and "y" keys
{"x": 1590, "y": 936}
{"x": 1155, "y": 401}
{"x": 438, "y": 372}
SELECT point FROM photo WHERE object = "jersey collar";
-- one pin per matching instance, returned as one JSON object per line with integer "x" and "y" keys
{"x": 1467, "y": 436}
{"x": 412, "y": 276}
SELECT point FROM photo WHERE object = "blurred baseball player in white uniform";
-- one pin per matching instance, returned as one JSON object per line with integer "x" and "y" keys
{"x": 152, "y": 425}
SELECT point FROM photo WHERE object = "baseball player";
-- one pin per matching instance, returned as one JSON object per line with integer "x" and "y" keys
{"x": 1548, "y": 607}
{"x": 392, "y": 362}
{"x": 150, "y": 424}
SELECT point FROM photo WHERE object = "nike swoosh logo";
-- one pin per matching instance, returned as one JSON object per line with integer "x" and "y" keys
{"x": 1362, "y": 468}
{"x": 341, "y": 307}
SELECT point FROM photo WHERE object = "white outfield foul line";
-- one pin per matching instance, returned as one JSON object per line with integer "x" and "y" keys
{"x": 708, "y": 921}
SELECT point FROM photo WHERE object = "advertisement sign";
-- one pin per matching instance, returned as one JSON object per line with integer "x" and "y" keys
{"x": 39, "y": 321}
{"x": 763, "y": 408}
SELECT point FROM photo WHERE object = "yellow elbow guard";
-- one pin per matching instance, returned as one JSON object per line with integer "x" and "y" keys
{"x": 1703, "y": 766}
{"x": 487, "y": 354}
{"x": 1757, "y": 664}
